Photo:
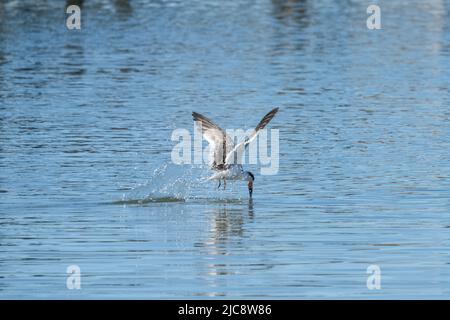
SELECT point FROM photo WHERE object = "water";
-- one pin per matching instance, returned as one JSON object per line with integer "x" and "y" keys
{"x": 86, "y": 178}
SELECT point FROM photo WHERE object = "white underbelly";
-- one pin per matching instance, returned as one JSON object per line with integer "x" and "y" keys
{"x": 230, "y": 174}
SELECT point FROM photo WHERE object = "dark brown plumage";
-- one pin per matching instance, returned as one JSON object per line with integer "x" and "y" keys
{"x": 266, "y": 119}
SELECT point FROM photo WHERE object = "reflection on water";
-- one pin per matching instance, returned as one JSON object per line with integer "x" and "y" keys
{"x": 123, "y": 8}
{"x": 297, "y": 10}
{"x": 87, "y": 115}
{"x": 228, "y": 223}
{"x": 226, "y": 238}
{"x": 74, "y": 2}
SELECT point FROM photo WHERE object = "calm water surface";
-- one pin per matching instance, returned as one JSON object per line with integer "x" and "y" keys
{"x": 86, "y": 119}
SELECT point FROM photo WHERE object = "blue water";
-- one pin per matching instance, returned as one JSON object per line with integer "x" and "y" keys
{"x": 86, "y": 177}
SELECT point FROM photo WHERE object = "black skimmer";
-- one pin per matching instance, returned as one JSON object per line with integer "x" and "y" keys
{"x": 224, "y": 154}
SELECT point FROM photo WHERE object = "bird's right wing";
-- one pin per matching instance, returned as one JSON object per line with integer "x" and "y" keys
{"x": 235, "y": 155}
{"x": 219, "y": 141}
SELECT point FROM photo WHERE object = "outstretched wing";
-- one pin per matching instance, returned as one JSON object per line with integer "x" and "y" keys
{"x": 236, "y": 153}
{"x": 219, "y": 142}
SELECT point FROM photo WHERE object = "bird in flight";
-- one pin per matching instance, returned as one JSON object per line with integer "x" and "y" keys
{"x": 224, "y": 154}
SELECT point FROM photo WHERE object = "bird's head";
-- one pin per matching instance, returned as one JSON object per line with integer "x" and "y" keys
{"x": 250, "y": 179}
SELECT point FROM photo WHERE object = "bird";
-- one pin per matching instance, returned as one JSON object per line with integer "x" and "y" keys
{"x": 224, "y": 153}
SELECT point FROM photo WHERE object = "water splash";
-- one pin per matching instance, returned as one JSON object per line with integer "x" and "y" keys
{"x": 175, "y": 183}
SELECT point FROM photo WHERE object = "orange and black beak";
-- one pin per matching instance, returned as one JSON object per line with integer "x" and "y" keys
{"x": 250, "y": 188}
